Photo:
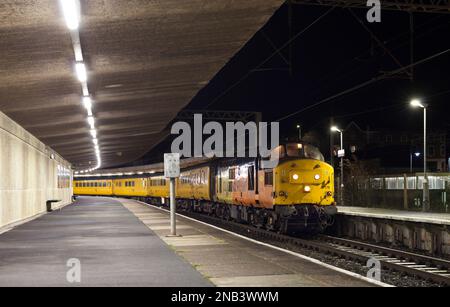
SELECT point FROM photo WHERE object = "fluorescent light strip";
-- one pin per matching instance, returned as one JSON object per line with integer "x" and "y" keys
{"x": 80, "y": 68}
{"x": 91, "y": 122}
{"x": 71, "y": 11}
{"x": 85, "y": 89}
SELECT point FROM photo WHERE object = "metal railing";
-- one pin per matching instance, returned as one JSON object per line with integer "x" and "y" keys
{"x": 402, "y": 191}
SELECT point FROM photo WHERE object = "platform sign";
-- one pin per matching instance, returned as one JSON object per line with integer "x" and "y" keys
{"x": 172, "y": 165}
{"x": 341, "y": 153}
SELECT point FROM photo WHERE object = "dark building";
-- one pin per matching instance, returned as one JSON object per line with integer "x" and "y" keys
{"x": 396, "y": 150}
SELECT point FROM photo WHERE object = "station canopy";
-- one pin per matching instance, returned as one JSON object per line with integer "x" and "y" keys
{"x": 145, "y": 61}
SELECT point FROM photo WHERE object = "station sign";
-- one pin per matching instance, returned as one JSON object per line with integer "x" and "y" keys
{"x": 172, "y": 165}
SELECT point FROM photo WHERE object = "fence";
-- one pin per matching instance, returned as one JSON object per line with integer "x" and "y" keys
{"x": 397, "y": 191}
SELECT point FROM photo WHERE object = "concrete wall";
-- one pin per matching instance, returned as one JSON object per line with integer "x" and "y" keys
{"x": 28, "y": 174}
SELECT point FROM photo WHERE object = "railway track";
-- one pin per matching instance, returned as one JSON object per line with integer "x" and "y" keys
{"x": 425, "y": 267}
{"x": 420, "y": 266}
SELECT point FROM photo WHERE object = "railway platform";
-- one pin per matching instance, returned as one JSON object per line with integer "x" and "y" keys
{"x": 122, "y": 242}
{"x": 399, "y": 215}
{"x": 419, "y": 231}
{"x": 230, "y": 260}
{"x": 107, "y": 243}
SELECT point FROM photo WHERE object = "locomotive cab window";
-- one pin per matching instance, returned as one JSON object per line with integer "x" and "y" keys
{"x": 298, "y": 150}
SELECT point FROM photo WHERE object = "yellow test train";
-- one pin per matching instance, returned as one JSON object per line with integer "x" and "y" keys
{"x": 295, "y": 196}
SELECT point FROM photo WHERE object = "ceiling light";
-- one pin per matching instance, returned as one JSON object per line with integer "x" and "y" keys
{"x": 71, "y": 11}
{"x": 87, "y": 102}
{"x": 94, "y": 133}
{"x": 91, "y": 122}
{"x": 95, "y": 141}
{"x": 81, "y": 72}
{"x": 85, "y": 89}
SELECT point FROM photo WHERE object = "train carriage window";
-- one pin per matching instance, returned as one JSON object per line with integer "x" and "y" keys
{"x": 230, "y": 186}
{"x": 251, "y": 178}
{"x": 268, "y": 178}
{"x": 231, "y": 173}
{"x": 104, "y": 184}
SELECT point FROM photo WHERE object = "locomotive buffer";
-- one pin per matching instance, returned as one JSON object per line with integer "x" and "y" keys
{"x": 172, "y": 171}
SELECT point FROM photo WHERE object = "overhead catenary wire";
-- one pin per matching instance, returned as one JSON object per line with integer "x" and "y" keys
{"x": 364, "y": 84}
{"x": 277, "y": 51}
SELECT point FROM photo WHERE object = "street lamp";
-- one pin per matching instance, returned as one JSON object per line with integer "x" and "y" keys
{"x": 299, "y": 132}
{"x": 416, "y": 103}
{"x": 416, "y": 154}
{"x": 341, "y": 154}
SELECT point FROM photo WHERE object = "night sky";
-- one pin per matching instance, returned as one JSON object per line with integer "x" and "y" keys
{"x": 333, "y": 55}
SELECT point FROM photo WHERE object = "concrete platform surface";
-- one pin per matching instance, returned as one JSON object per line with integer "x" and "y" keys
{"x": 410, "y": 216}
{"x": 113, "y": 248}
{"x": 227, "y": 260}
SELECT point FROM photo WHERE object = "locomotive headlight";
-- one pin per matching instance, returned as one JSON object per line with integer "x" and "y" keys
{"x": 317, "y": 176}
{"x": 295, "y": 177}
{"x": 307, "y": 188}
